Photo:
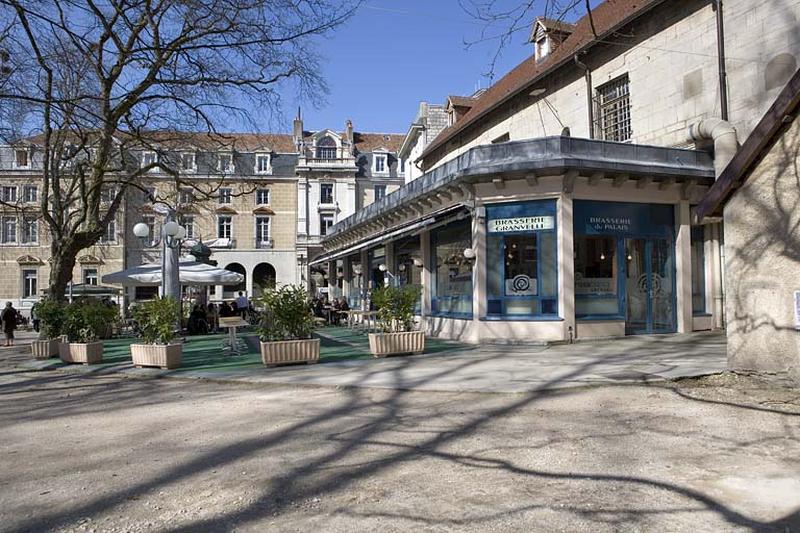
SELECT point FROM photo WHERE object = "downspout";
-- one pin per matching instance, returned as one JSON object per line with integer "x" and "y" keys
{"x": 589, "y": 100}
{"x": 723, "y": 76}
{"x": 725, "y": 146}
{"x": 725, "y": 140}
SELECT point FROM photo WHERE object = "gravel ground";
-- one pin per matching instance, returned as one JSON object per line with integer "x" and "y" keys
{"x": 106, "y": 453}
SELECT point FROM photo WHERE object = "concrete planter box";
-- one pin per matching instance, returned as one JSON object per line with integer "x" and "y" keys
{"x": 79, "y": 352}
{"x": 45, "y": 349}
{"x": 286, "y": 352}
{"x": 405, "y": 342}
{"x": 165, "y": 356}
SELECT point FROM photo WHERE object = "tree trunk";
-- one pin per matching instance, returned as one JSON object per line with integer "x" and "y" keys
{"x": 63, "y": 258}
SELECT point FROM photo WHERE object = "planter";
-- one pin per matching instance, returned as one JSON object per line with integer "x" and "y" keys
{"x": 405, "y": 342}
{"x": 45, "y": 349}
{"x": 287, "y": 352}
{"x": 81, "y": 352}
{"x": 165, "y": 356}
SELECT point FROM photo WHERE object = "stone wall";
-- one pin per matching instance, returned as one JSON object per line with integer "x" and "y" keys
{"x": 762, "y": 264}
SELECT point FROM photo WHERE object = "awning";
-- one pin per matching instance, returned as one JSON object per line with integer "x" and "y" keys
{"x": 191, "y": 273}
{"x": 431, "y": 219}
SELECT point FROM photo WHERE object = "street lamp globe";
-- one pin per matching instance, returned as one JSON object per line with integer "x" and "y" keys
{"x": 382, "y": 267}
{"x": 181, "y": 232}
{"x": 141, "y": 230}
{"x": 171, "y": 228}
{"x": 469, "y": 253}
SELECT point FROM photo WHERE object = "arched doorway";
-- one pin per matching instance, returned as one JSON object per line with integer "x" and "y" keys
{"x": 263, "y": 276}
{"x": 231, "y": 291}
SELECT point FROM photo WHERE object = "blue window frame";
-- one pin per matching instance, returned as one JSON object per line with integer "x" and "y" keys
{"x": 451, "y": 294}
{"x": 522, "y": 260}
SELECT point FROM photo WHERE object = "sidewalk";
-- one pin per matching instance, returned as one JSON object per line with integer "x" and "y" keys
{"x": 445, "y": 366}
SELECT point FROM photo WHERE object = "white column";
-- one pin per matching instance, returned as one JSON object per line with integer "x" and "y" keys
{"x": 479, "y": 267}
{"x": 566, "y": 265}
{"x": 365, "y": 277}
{"x": 346, "y": 279}
{"x": 427, "y": 275}
{"x": 683, "y": 266}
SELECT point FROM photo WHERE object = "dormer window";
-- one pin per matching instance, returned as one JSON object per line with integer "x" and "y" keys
{"x": 326, "y": 148}
{"x": 548, "y": 34}
{"x": 21, "y": 159}
{"x": 263, "y": 164}
{"x": 188, "y": 163}
{"x": 225, "y": 162}
{"x": 149, "y": 159}
{"x": 380, "y": 164}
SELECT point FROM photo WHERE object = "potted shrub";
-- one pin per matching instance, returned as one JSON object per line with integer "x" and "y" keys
{"x": 157, "y": 320}
{"x": 395, "y": 307}
{"x": 285, "y": 327}
{"x": 84, "y": 322}
{"x": 51, "y": 319}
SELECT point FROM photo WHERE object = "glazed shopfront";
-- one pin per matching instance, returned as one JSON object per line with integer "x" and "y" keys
{"x": 562, "y": 256}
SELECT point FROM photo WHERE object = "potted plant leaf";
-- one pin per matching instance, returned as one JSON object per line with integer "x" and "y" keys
{"x": 395, "y": 307}
{"x": 157, "y": 321}
{"x": 51, "y": 319}
{"x": 84, "y": 322}
{"x": 286, "y": 325}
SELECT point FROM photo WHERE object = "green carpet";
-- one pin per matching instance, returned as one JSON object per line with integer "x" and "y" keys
{"x": 205, "y": 352}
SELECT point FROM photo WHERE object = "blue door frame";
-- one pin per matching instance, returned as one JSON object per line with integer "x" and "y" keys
{"x": 650, "y": 323}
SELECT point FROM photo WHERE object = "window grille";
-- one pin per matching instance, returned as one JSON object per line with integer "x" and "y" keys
{"x": 614, "y": 110}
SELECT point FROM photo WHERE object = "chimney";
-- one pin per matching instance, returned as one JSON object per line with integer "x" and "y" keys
{"x": 297, "y": 132}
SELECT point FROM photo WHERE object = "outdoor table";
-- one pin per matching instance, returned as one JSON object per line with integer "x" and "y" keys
{"x": 233, "y": 342}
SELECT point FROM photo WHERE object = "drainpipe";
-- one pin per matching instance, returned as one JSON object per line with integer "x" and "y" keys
{"x": 723, "y": 76}
{"x": 589, "y": 101}
{"x": 725, "y": 141}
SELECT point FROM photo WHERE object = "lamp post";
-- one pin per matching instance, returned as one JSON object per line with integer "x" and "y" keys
{"x": 172, "y": 234}
{"x": 383, "y": 268}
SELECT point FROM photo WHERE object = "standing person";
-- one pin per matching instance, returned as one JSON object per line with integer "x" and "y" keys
{"x": 213, "y": 317}
{"x": 242, "y": 304}
{"x": 35, "y": 317}
{"x": 9, "y": 318}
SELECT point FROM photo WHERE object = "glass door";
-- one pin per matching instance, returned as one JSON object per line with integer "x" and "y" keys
{"x": 662, "y": 286}
{"x": 637, "y": 286}
{"x": 649, "y": 286}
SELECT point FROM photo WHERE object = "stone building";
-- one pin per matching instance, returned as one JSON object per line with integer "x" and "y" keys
{"x": 758, "y": 196}
{"x": 430, "y": 120}
{"x": 556, "y": 205}
{"x": 260, "y": 201}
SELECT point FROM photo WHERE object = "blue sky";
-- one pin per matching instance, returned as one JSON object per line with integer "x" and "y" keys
{"x": 395, "y": 53}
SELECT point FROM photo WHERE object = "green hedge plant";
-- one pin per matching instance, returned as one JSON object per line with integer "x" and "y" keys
{"x": 51, "y": 314}
{"x": 87, "y": 320}
{"x": 287, "y": 314}
{"x": 157, "y": 319}
{"x": 395, "y": 307}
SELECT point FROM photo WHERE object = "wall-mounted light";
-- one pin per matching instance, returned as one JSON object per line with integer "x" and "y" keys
{"x": 417, "y": 262}
{"x": 602, "y": 257}
{"x": 357, "y": 270}
{"x": 382, "y": 267}
{"x": 469, "y": 253}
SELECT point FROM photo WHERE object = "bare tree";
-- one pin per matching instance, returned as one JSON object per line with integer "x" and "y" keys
{"x": 94, "y": 79}
{"x": 503, "y": 21}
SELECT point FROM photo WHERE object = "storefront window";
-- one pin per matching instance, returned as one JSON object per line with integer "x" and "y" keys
{"x": 356, "y": 283}
{"x": 521, "y": 259}
{"x": 596, "y": 275}
{"x": 408, "y": 264}
{"x": 452, "y": 287}
{"x": 377, "y": 257}
{"x": 698, "y": 272}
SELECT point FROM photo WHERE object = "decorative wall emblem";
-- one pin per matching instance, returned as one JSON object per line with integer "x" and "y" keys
{"x": 90, "y": 260}
{"x": 29, "y": 260}
{"x": 521, "y": 285}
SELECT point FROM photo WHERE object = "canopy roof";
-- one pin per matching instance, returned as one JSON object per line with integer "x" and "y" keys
{"x": 191, "y": 273}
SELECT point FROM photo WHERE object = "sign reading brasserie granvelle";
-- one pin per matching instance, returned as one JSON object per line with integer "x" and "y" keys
{"x": 503, "y": 225}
